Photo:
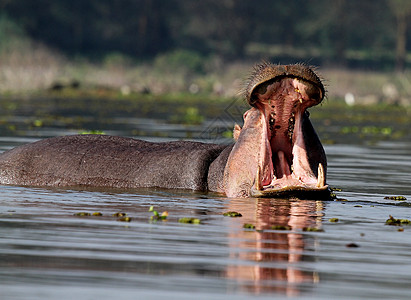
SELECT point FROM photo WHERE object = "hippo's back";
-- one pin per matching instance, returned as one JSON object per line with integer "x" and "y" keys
{"x": 108, "y": 161}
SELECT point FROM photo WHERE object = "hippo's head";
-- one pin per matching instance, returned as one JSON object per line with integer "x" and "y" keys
{"x": 277, "y": 152}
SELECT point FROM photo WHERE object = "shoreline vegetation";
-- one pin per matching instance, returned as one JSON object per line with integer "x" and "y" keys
{"x": 91, "y": 109}
{"x": 41, "y": 71}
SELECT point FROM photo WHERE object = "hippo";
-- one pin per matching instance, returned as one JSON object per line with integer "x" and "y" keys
{"x": 276, "y": 153}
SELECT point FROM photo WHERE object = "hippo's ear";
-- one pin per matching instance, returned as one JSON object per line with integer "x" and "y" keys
{"x": 236, "y": 132}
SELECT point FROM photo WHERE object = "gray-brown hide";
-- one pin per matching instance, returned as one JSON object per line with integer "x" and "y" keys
{"x": 109, "y": 161}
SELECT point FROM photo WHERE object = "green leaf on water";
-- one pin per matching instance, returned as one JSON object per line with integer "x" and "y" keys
{"x": 232, "y": 214}
{"x": 189, "y": 220}
{"x": 119, "y": 214}
{"x": 156, "y": 215}
{"x": 82, "y": 214}
{"x": 280, "y": 227}
{"x": 248, "y": 226}
{"x": 396, "y": 198}
{"x": 312, "y": 229}
{"x": 397, "y": 222}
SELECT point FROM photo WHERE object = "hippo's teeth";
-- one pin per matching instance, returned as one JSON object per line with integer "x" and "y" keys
{"x": 258, "y": 184}
{"x": 291, "y": 123}
{"x": 321, "y": 177}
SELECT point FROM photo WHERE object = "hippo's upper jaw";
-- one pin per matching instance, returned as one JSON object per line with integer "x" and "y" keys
{"x": 291, "y": 160}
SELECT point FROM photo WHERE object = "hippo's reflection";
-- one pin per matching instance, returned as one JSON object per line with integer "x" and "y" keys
{"x": 270, "y": 260}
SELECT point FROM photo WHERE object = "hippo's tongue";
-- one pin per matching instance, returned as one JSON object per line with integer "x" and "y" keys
{"x": 284, "y": 165}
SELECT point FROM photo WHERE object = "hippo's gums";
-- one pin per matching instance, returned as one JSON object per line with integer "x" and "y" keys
{"x": 276, "y": 154}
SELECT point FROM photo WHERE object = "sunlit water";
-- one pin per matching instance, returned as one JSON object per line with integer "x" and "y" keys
{"x": 47, "y": 252}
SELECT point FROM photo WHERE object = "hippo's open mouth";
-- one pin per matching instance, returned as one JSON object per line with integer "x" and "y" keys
{"x": 286, "y": 166}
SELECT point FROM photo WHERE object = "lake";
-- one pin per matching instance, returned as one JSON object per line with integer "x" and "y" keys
{"x": 50, "y": 250}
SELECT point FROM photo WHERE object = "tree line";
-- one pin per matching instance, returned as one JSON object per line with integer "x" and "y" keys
{"x": 370, "y": 33}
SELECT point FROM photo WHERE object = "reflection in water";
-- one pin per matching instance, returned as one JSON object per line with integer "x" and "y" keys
{"x": 277, "y": 253}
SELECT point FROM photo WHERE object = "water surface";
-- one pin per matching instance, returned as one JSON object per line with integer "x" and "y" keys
{"x": 48, "y": 252}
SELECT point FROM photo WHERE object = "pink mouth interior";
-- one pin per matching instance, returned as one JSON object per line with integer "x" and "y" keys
{"x": 283, "y": 162}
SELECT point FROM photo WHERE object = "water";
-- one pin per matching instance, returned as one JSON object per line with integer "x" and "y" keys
{"x": 48, "y": 252}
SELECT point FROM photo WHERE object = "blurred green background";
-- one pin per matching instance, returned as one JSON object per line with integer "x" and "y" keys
{"x": 204, "y": 47}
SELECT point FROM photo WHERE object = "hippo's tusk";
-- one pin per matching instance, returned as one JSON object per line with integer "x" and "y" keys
{"x": 321, "y": 177}
{"x": 258, "y": 184}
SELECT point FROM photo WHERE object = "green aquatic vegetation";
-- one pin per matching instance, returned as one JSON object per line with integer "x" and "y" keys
{"x": 357, "y": 205}
{"x": 192, "y": 116}
{"x": 280, "y": 227}
{"x": 397, "y": 222}
{"x": 396, "y": 198}
{"x": 328, "y": 141}
{"x": 82, "y": 214}
{"x": 38, "y": 123}
{"x": 188, "y": 115}
{"x": 349, "y": 129}
{"x": 312, "y": 229}
{"x": 11, "y": 127}
{"x": 87, "y": 214}
{"x": 92, "y": 132}
{"x": 228, "y": 134}
{"x": 248, "y": 226}
{"x": 189, "y": 220}
{"x": 341, "y": 199}
{"x": 156, "y": 215}
{"x": 333, "y": 220}
{"x": 232, "y": 214}
{"x": 121, "y": 217}
{"x": 367, "y": 130}
{"x": 119, "y": 214}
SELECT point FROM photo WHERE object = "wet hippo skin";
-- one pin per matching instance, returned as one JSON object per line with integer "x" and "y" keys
{"x": 276, "y": 153}
{"x": 109, "y": 161}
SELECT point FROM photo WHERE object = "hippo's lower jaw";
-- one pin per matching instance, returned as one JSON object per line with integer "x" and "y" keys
{"x": 291, "y": 185}
{"x": 297, "y": 191}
